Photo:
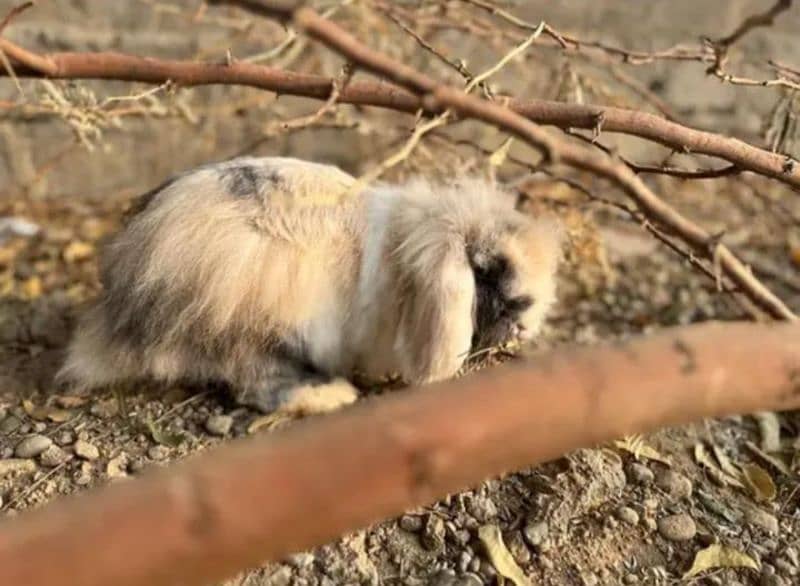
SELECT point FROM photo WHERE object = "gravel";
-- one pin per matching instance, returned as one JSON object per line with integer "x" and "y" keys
{"x": 219, "y": 425}
{"x": 680, "y": 527}
{"x": 32, "y": 446}
{"x": 85, "y": 450}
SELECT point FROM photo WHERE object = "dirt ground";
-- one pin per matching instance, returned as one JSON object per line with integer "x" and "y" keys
{"x": 635, "y": 512}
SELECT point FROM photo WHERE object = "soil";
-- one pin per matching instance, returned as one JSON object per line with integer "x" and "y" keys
{"x": 632, "y": 512}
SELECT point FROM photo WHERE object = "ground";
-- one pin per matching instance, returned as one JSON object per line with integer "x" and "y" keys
{"x": 632, "y": 512}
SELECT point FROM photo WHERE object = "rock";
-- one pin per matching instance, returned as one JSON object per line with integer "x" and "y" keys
{"x": 638, "y": 473}
{"x": 772, "y": 580}
{"x": 64, "y": 438}
{"x": 536, "y": 533}
{"x": 516, "y": 545}
{"x": 444, "y": 577}
{"x": 53, "y": 456}
{"x": 627, "y": 515}
{"x": 482, "y": 508}
{"x": 15, "y": 466}
{"x": 432, "y": 537}
{"x": 9, "y": 424}
{"x": 410, "y": 523}
{"x": 791, "y": 554}
{"x": 158, "y": 452}
{"x": 85, "y": 450}
{"x": 674, "y": 484}
{"x": 219, "y": 425}
{"x": 32, "y": 446}
{"x": 680, "y": 527}
{"x": 785, "y": 567}
{"x": 762, "y": 519}
{"x": 488, "y": 572}
{"x": 280, "y": 577}
{"x": 300, "y": 560}
{"x": 469, "y": 579}
{"x": 117, "y": 467}
{"x": 590, "y": 580}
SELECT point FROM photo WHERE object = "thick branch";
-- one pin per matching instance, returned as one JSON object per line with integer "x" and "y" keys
{"x": 262, "y": 499}
{"x": 122, "y": 67}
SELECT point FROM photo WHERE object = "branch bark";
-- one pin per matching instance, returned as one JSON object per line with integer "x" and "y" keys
{"x": 117, "y": 66}
{"x": 261, "y": 499}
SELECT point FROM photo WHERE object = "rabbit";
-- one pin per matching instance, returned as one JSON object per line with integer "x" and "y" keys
{"x": 281, "y": 278}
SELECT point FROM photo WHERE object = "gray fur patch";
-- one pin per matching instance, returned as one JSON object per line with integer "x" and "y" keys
{"x": 241, "y": 180}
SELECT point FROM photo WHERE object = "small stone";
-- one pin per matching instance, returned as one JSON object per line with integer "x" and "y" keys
{"x": 627, "y": 515}
{"x": 630, "y": 579}
{"x": 590, "y": 580}
{"x": 638, "y": 473}
{"x": 487, "y": 571}
{"x": 674, "y": 484}
{"x": 410, "y": 523}
{"x": 10, "y": 424}
{"x": 300, "y": 560}
{"x": 444, "y": 577}
{"x": 536, "y": 533}
{"x": 680, "y": 527}
{"x": 791, "y": 554}
{"x": 280, "y": 577}
{"x": 464, "y": 559}
{"x": 432, "y": 537}
{"x": 219, "y": 425}
{"x": 85, "y": 450}
{"x": 39, "y": 427}
{"x": 482, "y": 508}
{"x": 158, "y": 452}
{"x": 772, "y": 580}
{"x": 13, "y": 466}
{"x": 469, "y": 579}
{"x": 475, "y": 565}
{"x": 32, "y": 446}
{"x": 53, "y": 456}
{"x": 761, "y": 518}
{"x": 117, "y": 467}
{"x": 516, "y": 545}
{"x": 64, "y": 438}
{"x": 785, "y": 567}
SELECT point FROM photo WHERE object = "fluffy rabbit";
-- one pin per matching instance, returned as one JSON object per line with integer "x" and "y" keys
{"x": 277, "y": 278}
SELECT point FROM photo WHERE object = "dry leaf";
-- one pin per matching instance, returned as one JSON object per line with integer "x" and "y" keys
{"x": 77, "y": 251}
{"x": 702, "y": 457}
{"x": 719, "y": 556}
{"x": 162, "y": 436}
{"x": 770, "y": 428}
{"x": 70, "y": 401}
{"x": 759, "y": 482}
{"x": 498, "y": 157}
{"x": 725, "y": 463}
{"x": 775, "y": 461}
{"x": 32, "y": 288}
{"x": 635, "y": 445}
{"x": 268, "y": 422}
{"x": 501, "y": 558}
{"x": 45, "y": 413}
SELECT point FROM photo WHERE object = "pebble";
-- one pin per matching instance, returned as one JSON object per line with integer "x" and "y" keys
{"x": 300, "y": 560}
{"x": 482, "y": 508}
{"x": 410, "y": 523}
{"x": 16, "y": 466}
{"x": 674, "y": 484}
{"x": 39, "y": 427}
{"x": 785, "y": 567}
{"x": 158, "y": 452}
{"x": 469, "y": 579}
{"x": 64, "y": 438}
{"x": 627, "y": 515}
{"x": 488, "y": 572}
{"x": 638, "y": 473}
{"x": 761, "y": 518}
{"x": 85, "y": 450}
{"x": 433, "y": 534}
{"x": 53, "y": 456}
{"x": 280, "y": 577}
{"x": 772, "y": 580}
{"x": 536, "y": 533}
{"x": 464, "y": 559}
{"x": 444, "y": 577}
{"x": 219, "y": 425}
{"x": 792, "y": 555}
{"x": 10, "y": 424}
{"x": 32, "y": 446}
{"x": 680, "y": 527}
{"x": 516, "y": 545}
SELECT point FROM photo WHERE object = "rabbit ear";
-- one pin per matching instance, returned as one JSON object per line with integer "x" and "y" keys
{"x": 436, "y": 322}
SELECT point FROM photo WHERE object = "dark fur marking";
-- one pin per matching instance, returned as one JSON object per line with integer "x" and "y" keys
{"x": 241, "y": 180}
{"x": 140, "y": 203}
{"x": 494, "y": 312}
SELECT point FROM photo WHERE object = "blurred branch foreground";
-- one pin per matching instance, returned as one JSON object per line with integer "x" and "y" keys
{"x": 306, "y": 485}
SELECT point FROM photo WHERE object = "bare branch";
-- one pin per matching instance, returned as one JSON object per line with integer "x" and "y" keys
{"x": 762, "y": 19}
{"x": 304, "y": 486}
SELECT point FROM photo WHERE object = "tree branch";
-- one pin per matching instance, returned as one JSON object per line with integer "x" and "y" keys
{"x": 306, "y": 485}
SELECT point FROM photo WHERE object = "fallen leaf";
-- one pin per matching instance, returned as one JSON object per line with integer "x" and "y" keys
{"x": 77, "y": 251}
{"x": 499, "y": 156}
{"x": 770, "y": 428}
{"x": 725, "y": 463}
{"x": 162, "y": 436}
{"x": 268, "y": 422}
{"x": 45, "y": 413}
{"x": 635, "y": 445}
{"x": 70, "y": 401}
{"x": 703, "y": 457}
{"x": 501, "y": 558}
{"x": 32, "y": 288}
{"x": 719, "y": 556}
{"x": 773, "y": 460}
{"x": 759, "y": 482}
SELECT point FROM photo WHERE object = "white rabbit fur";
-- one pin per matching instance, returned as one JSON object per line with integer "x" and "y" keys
{"x": 274, "y": 276}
